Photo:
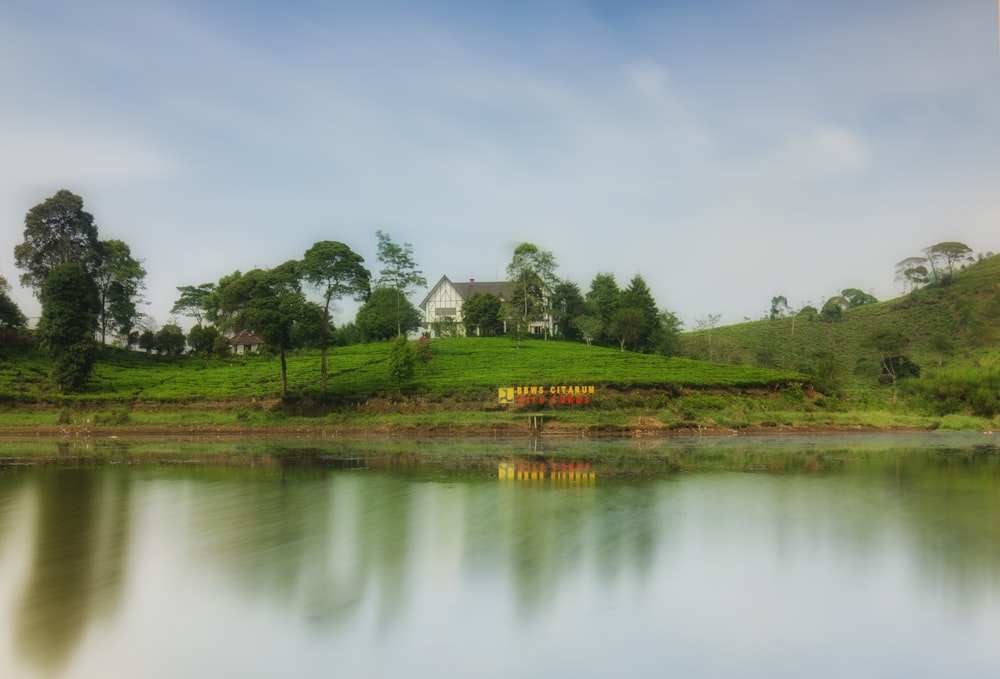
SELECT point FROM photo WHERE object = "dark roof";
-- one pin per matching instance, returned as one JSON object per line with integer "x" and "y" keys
{"x": 245, "y": 337}
{"x": 467, "y": 289}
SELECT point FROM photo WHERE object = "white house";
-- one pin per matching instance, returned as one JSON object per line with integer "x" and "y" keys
{"x": 245, "y": 342}
{"x": 444, "y": 302}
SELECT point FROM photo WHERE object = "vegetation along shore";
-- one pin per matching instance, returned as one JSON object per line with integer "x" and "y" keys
{"x": 533, "y": 355}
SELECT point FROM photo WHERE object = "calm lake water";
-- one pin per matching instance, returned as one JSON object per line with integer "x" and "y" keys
{"x": 863, "y": 556}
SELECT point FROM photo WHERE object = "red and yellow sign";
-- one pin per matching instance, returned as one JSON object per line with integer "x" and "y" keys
{"x": 562, "y": 394}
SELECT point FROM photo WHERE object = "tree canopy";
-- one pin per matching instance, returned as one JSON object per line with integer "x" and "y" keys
{"x": 335, "y": 271}
{"x": 531, "y": 277}
{"x": 56, "y": 231}
{"x": 399, "y": 273}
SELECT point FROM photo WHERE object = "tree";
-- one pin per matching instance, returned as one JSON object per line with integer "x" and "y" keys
{"x": 57, "y": 231}
{"x": 399, "y": 273}
{"x": 779, "y": 307}
{"x": 912, "y": 272}
{"x": 10, "y": 314}
{"x": 377, "y": 318}
{"x": 944, "y": 257}
{"x": 531, "y": 276}
{"x": 638, "y": 296}
{"x": 856, "y": 298}
{"x": 567, "y": 303}
{"x": 202, "y": 340}
{"x": 890, "y": 345}
{"x": 336, "y": 272}
{"x": 169, "y": 340}
{"x": 604, "y": 297}
{"x": 627, "y": 326}
{"x": 481, "y": 314}
{"x": 119, "y": 280}
{"x": 669, "y": 334}
{"x": 66, "y": 329}
{"x": 193, "y": 301}
{"x": 269, "y": 303}
{"x": 833, "y": 310}
{"x": 590, "y": 327}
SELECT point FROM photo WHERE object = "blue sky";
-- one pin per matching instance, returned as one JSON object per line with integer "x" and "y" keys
{"x": 726, "y": 151}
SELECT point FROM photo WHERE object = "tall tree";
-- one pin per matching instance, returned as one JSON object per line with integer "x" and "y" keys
{"x": 119, "y": 280}
{"x": 604, "y": 297}
{"x": 270, "y": 304}
{"x": 567, "y": 304}
{"x": 531, "y": 277}
{"x": 56, "y": 231}
{"x": 193, "y": 300}
{"x": 66, "y": 330}
{"x": 638, "y": 296}
{"x": 399, "y": 273}
{"x": 779, "y": 307}
{"x": 336, "y": 272}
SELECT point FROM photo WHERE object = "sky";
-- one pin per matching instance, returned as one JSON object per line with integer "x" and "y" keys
{"x": 726, "y": 151}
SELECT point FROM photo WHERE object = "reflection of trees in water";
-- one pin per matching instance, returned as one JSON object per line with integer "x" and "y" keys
{"x": 78, "y": 560}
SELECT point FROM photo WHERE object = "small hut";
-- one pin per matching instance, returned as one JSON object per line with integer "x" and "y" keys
{"x": 245, "y": 342}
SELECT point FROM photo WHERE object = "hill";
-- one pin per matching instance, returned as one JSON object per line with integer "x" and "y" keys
{"x": 462, "y": 376}
{"x": 951, "y": 332}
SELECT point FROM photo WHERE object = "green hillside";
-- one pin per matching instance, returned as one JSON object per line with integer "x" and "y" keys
{"x": 460, "y": 368}
{"x": 952, "y": 333}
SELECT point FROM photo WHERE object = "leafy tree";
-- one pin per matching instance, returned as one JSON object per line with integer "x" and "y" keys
{"x": 669, "y": 334}
{"x": 401, "y": 360}
{"x": 377, "y": 318}
{"x": 589, "y": 327}
{"x": 808, "y": 311}
{"x": 945, "y": 257}
{"x": 202, "y": 339}
{"x": 890, "y": 345}
{"x": 779, "y": 307}
{"x": 912, "y": 272}
{"x": 638, "y": 296}
{"x": 567, "y": 303}
{"x": 856, "y": 298}
{"x": 833, "y": 310}
{"x": 481, "y": 314}
{"x": 270, "y": 304}
{"x": 57, "y": 231}
{"x": 628, "y": 326}
{"x": 531, "y": 276}
{"x": 119, "y": 280}
{"x": 66, "y": 329}
{"x": 147, "y": 340}
{"x": 170, "y": 340}
{"x": 194, "y": 301}
{"x": 10, "y": 314}
{"x": 399, "y": 273}
{"x": 336, "y": 272}
{"x": 604, "y": 297}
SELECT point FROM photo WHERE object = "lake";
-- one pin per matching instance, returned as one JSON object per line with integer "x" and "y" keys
{"x": 846, "y": 556}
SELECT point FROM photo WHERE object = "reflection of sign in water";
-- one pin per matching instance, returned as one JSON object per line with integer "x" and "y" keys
{"x": 562, "y": 394}
{"x": 565, "y": 472}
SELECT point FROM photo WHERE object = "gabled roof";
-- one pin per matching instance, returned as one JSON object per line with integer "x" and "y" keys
{"x": 469, "y": 288}
{"x": 245, "y": 337}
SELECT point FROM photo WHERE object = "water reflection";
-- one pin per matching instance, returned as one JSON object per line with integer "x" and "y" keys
{"x": 786, "y": 555}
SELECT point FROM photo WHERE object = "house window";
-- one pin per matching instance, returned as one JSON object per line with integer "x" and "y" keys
{"x": 445, "y": 311}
